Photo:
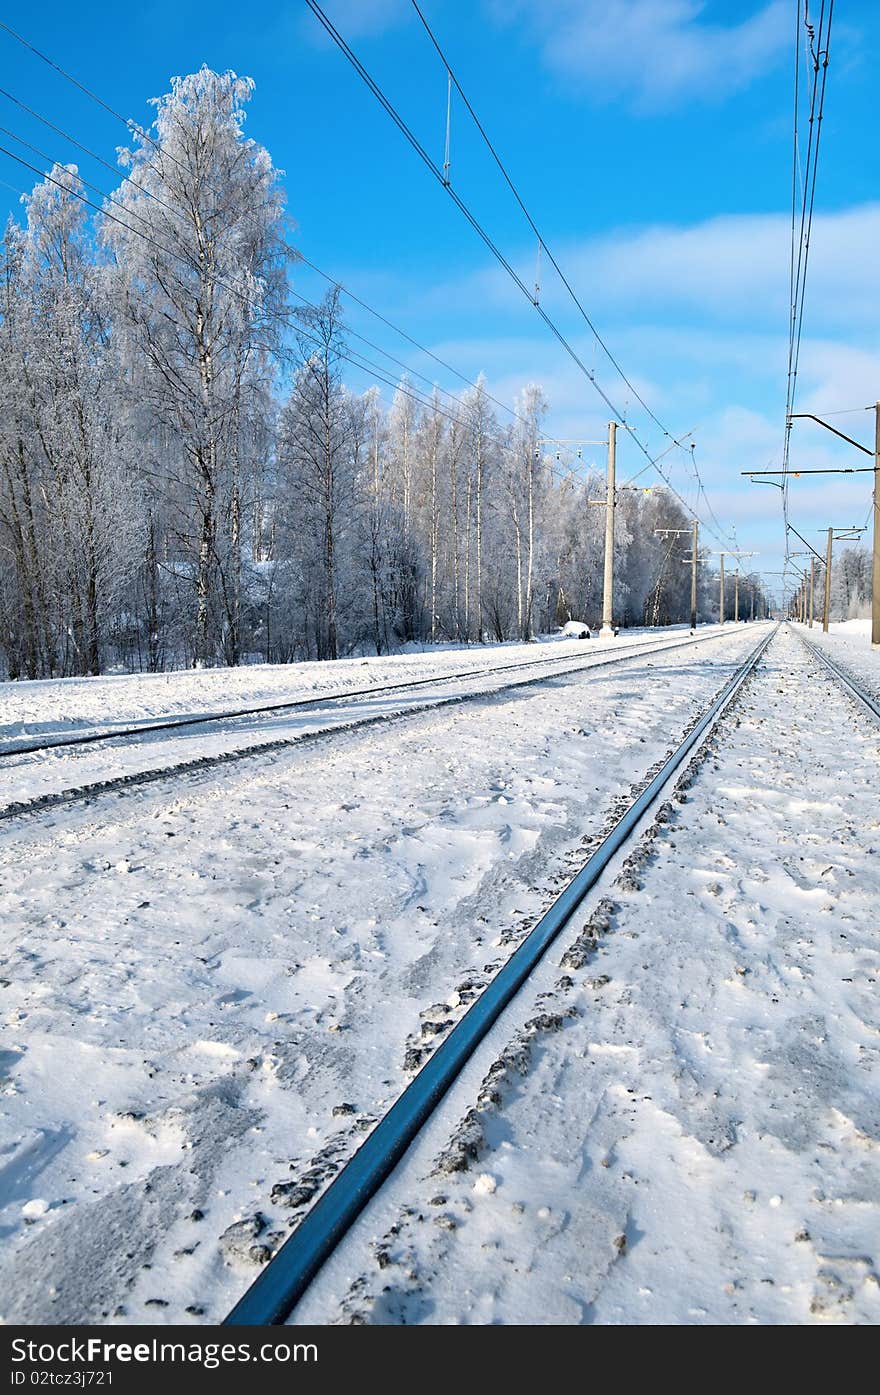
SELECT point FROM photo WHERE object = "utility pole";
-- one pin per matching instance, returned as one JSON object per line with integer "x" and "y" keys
{"x": 875, "y": 597}
{"x": 739, "y": 556}
{"x": 608, "y": 504}
{"x": 736, "y": 597}
{"x": 834, "y": 535}
{"x": 689, "y": 561}
{"x": 875, "y": 600}
{"x": 607, "y": 629}
{"x": 696, "y": 527}
{"x": 812, "y": 585}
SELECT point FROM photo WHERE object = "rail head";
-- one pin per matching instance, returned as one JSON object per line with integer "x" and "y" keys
{"x": 846, "y": 680}
{"x": 279, "y": 1287}
{"x": 170, "y": 723}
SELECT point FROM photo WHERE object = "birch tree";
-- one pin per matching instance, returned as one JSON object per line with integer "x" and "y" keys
{"x": 195, "y": 235}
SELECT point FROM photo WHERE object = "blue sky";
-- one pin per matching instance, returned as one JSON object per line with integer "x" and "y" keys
{"x": 651, "y": 140}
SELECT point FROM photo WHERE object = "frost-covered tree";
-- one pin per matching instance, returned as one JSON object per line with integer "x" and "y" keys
{"x": 195, "y": 237}
{"x": 318, "y": 454}
{"x": 162, "y": 502}
{"x": 68, "y": 507}
{"x": 851, "y": 584}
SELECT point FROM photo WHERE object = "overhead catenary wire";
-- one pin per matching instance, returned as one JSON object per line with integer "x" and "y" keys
{"x": 818, "y": 49}
{"x": 485, "y": 237}
{"x": 542, "y": 246}
{"x": 295, "y": 252}
{"x": 356, "y": 360}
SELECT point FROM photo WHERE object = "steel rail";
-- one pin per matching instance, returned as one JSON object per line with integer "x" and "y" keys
{"x": 196, "y": 765}
{"x": 846, "y": 680}
{"x": 174, "y": 723}
{"x": 273, "y": 1295}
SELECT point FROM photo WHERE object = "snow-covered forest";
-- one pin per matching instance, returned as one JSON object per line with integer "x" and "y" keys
{"x": 187, "y": 479}
{"x": 850, "y": 585}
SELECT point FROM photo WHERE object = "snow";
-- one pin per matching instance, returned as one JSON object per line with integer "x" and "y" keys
{"x": 197, "y": 1043}
{"x": 691, "y": 1131}
{"x": 849, "y": 643}
{"x": 42, "y": 774}
{"x": 52, "y": 708}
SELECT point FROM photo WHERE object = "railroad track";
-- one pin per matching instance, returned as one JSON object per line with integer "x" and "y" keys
{"x": 133, "y": 779}
{"x": 164, "y": 724}
{"x": 284, "y": 1280}
{"x": 847, "y": 680}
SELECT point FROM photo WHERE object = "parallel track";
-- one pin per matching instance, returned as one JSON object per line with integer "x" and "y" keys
{"x": 847, "y": 680}
{"x": 328, "y": 700}
{"x": 273, "y": 1295}
{"x": 195, "y": 765}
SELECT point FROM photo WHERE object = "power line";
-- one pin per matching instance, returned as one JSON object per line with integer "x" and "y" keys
{"x": 481, "y": 232}
{"x": 358, "y": 361}
{"x": 426, "y": 158}
{"x": 93, "y": 96}
{"x": 35, "y": 150}
{"x": 542, "y": 246}
{"x": 422, "y": 348}
{"x": 531, "y": 222}
{"x": 332, "y": 280}
{"x": 114, "y": 170}
{"x": 818, "y": 47}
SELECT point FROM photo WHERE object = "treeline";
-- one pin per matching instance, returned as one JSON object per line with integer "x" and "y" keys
{"x": 851, "y": 589}
{"x": 185, "y": 477}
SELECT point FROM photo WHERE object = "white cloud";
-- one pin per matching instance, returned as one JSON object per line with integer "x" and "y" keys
{"x": 697, "y": 315}
{"x": 738, "y": 265}
{"x": 659, "y": 51}
{"x": 732, "y": 269}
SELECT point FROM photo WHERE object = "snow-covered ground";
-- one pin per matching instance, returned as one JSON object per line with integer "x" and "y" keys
{"x": 215, "y": 982}
{"x": 849, "y": 642}
{"x": 686, "y": 1128}
{"x": 444, "y": 677}
{"x": 52, "y": 708}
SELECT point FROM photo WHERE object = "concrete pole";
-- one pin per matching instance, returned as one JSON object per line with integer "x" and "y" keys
{"x": 812, "y": 586}
{"x": 826, "y": 612}
{"x": 721, "y": 615}
{"x": 694, "y": 544}
{"x": 875, "y": 602}
{"x": 736, "y": 596}
{"x": 608, "y": 586}
{"x": 752, "y": 591}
